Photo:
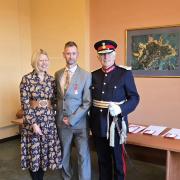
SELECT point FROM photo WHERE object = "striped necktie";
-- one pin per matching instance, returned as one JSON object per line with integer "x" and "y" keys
{"x": 67, "y": 81}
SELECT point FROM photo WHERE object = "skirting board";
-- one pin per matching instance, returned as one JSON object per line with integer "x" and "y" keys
{"x": 9, "y": 131}
{"x": 10, "y": 138}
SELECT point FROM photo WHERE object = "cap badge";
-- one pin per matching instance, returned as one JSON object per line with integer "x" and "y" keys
{"x": 103, "y": 45}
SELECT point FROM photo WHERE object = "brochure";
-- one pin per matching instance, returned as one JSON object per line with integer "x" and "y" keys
{"x": 153, "y": 130}
{"x": 134, "y": 128}
{"x": 172, "y": 133}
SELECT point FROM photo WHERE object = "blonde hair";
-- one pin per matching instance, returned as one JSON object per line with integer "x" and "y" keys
{"x": 35, "y": 57}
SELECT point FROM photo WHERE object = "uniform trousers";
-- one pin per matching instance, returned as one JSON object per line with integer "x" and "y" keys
{"x": 111, "y": 160}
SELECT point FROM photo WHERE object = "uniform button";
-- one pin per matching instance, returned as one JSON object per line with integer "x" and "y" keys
{"x": 102, "y": 92}
{"x": 115, "y": 87}
{"x": 104, "y": 83}
{"x": 101, "y": 110}
{"x": 93, "y": 87}
{"x": 105, "y": 74}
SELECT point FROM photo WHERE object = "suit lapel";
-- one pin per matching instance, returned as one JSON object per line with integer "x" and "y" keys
{"x": 59, "y": 81}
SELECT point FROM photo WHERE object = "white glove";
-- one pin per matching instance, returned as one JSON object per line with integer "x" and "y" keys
{"x": 114, "y": 109}
{"x": 123, "y": 135}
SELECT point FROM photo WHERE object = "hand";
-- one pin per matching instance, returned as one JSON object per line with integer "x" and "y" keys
{"x": 66, "y": 121}
{"x": 114, "y": 109}
{"x": 36, "y": 129}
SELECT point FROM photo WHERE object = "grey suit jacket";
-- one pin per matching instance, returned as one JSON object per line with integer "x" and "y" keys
{"x": 77, "y": 100}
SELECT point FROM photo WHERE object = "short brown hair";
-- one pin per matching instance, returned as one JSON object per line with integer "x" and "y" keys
{"x": 70, "y": 44}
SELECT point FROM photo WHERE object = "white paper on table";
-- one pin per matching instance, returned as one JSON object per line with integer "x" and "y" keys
{"x": 172, "y": 133}
{"x": 153, "y": 130}
{"x": 135, "y": 128}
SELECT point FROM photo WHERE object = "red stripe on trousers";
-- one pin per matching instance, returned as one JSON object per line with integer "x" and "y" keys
{"x": 124, "y": 161}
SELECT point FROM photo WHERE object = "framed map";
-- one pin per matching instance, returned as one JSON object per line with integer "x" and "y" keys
{"x": 154, "y": 51}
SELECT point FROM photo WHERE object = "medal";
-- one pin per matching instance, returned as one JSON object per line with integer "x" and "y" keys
{"x": 75, "y": 89}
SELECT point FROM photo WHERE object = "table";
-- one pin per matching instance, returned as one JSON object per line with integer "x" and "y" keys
{"x": 159, "y": 149}
{"x": 18, "y": 122}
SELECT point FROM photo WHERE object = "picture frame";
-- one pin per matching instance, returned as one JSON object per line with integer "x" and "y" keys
{"x": 153, "y": 51}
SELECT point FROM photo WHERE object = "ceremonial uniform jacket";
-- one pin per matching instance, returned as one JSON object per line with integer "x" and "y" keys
{"x": 116, "y": 86}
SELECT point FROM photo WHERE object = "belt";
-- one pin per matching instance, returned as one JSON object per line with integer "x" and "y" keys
{"x": 105, "y": 104}
{"x": 110, "y": 135}
{"x": 40, "y": 103}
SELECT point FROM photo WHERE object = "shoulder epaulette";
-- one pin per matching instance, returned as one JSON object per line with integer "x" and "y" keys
{"x": 126, "y": 67}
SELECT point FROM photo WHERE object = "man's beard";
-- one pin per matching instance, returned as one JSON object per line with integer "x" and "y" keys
{"x": 71, "y": 62}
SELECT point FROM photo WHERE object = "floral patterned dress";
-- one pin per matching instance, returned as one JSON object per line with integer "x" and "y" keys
{"x": 39, "y": 151}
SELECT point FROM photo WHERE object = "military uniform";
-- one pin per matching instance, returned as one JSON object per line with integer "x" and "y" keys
{"x": 114, "y": 84}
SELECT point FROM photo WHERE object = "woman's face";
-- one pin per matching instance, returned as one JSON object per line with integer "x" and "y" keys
{"x": 43, "y": 63}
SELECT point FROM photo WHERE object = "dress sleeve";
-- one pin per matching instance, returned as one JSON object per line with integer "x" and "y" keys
{"x": 28, "y": 112}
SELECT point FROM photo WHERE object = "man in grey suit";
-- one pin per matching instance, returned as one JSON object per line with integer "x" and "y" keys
{"x": 73, "y": 102}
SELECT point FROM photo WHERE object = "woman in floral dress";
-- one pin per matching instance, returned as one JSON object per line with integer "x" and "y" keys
{"x": 40, "y": 146}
